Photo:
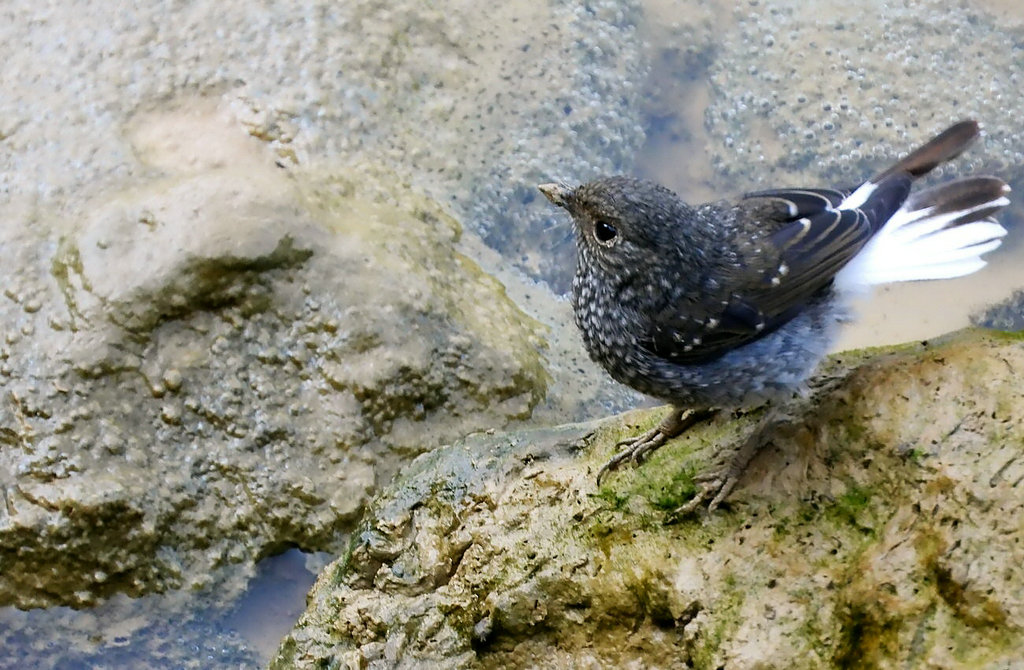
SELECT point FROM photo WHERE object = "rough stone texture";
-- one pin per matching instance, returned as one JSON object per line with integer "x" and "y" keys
{"x": 185, "y": 389}
{"x": 227, "y": 360}
{"x": 841, "y": 91}
{"x": 882, "y": 528}
{"x": 475, "y": 104}
{"x": 1007, "y": 315}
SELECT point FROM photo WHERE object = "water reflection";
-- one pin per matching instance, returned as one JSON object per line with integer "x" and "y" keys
{"x": 275, "y": 599}
{"x": 173, "y": 630}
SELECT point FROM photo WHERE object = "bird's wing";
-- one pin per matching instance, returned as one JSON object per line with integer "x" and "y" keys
{"x": 806, "y": 237}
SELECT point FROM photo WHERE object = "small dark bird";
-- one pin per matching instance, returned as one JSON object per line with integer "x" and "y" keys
{"x": 731, "y": 304}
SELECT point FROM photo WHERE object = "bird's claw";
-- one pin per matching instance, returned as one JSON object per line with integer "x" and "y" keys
{"x": 714, "y": 485}
{"x": 717, "y": 484}
{"x": 636, "y": 450}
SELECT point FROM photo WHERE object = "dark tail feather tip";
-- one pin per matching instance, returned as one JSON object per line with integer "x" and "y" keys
{"x": 945, "y": 146}
{"x": 965, "y": 193}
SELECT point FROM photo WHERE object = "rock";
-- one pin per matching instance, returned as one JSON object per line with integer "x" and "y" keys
{"x": 881, "y": 528}
{"x": 796, "y": 96}
{"x": 226, "y": 361}
{"x": 234, "y": 301}
{"x": 1007, "y": 315}
{"x": 472, "y": 104}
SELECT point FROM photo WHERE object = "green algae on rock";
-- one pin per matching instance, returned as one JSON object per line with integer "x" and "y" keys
{"x": 223, "y": 364}
{"x": 881, "y": 527}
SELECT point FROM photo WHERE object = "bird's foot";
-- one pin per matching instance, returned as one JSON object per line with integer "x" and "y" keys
{"x": 714, "y": 487}
{"x": 637, "y": 449}
{"x": 717, "y": 484}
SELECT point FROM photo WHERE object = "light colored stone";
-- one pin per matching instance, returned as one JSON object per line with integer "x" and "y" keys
{"x": 472, "y": 104}
{"x": 881, "y": 528}
{"x": 313, "y": 340}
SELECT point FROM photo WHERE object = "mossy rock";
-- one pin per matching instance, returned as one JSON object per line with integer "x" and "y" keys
{"x": 880, "y": 528}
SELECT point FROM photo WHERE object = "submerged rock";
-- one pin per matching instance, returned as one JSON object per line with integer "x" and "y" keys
{"x": 226, "y": 362}
{"x": 881, "y": 527}
{"x": 1007, "y": 315}
{"x": 837, "y": 93}
{"x": 123, "y": 632}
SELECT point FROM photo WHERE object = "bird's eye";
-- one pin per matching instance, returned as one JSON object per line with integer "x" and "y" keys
{"x": 604, "y": 231}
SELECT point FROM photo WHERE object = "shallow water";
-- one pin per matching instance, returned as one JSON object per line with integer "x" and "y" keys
{"x": 675, "y": 154}
{"x": 175, "y": 630}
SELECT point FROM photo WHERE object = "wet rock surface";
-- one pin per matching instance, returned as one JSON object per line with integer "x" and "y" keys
{"x": 122, "y": 633}
{"x": 1007, "y": 315}
{"x": 220, "y": 364}
{"x": 234, "y": 299}
{"x": 233, "y": 305}
{"x": 472, "y": 104}
{"x": 881, "y": 527}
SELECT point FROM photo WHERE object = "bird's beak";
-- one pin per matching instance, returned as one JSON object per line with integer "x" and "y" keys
{"x": 558, "y": 194}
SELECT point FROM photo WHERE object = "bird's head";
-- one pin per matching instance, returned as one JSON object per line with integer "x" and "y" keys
{"x": 619, "y": 221}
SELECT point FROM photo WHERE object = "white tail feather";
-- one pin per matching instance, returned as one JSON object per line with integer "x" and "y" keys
{"x": 908, "y": 226}
{"x": 914, "y": 246}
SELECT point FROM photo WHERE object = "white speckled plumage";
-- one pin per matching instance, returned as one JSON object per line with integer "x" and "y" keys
{"x": 733, "y": 303}
{"x": 776, "y": 267}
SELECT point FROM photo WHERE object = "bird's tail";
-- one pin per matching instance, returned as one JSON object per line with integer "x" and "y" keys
{"x": 937, "y": 233}
{"x": 942, "y": 148}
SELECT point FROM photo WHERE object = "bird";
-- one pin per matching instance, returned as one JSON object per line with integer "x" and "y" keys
{"x": 733, "y": 303}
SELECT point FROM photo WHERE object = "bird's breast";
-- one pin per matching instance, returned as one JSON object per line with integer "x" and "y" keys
{"x": 608, "y": 320}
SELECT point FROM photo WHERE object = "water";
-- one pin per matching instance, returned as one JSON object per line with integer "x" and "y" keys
{"x": 174, "y": 630}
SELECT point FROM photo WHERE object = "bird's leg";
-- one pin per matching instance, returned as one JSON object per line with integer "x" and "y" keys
{"x": 638, "y": 448}
{"x": 717, "y": 484}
